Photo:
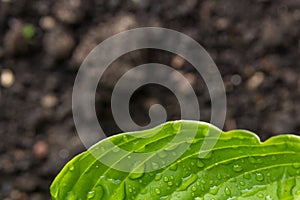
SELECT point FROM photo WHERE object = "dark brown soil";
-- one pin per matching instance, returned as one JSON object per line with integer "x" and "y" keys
{"x": 255, "y": 44}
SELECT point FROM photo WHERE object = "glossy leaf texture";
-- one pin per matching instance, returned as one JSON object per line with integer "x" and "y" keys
{"x": 238, "y": 166}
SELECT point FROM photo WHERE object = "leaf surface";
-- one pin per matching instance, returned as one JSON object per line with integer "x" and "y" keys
{"x": 172, "y": 166}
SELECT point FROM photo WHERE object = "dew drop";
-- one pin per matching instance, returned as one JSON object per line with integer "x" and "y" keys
{"x": 189, "y": 140}
{"x": 162, "y": 154}
{"x": 90, "y": 194}
{"x": 157, "y": 191}
{"x": 170, "y": 183}
{"x": 155, "y": 166}
{"x": 138, "y": 170}
{"x": 214, "y": 190}
{"x": 219, "y": 176}
{"x": 71, "y": 168}
{"x": 242, "y": 183}
{"x": 247, "y": 176}
{"x": 166, "y": 179}
{"x": 188, "y": 181}
{"x": 259, "y": 177}
{"x": 125, "y": 138}
{"x": 227, "y": 191}
{"x": 237, "y": 168}
{"x": 157, "y": 177}
{"x": 194, "y": 189}
{"x": 143, "y": 191}
{"x": 260, "y": 195}
{"x": 200, "y": 164}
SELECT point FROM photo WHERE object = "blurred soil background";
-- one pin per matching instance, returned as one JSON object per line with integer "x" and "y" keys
{"x": 255, "y": 44}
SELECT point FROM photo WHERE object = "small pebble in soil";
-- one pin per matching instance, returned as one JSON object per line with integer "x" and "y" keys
{"x": 177, "y": 62}
{"x": 40, "y": 149}
{"x": 222, "y": 23}
{"x": 7, "y": 78}
{"x": 47, "y": 23}
{"x": 255, "y": 81}
{"x": 58, "y": 43}
{"x": 191, "y": 78}
{"x": 49, "y": 101}
{"x": 69, "y": 11}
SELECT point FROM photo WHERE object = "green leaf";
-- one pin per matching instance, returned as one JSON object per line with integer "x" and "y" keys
{"x": 177, "y": 163}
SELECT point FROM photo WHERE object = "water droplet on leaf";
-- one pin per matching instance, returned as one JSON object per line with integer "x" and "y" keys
{"x": 162, "y": 154}
{"x": 157, "y": 177}
{"x": 157, "y": 191}
{"x": 71, "y": 168}
{"x": 138, "y": 170}
{"x": 155, "y": 166}
{"x": 166, "y": 179}
{"x": 247, "y": 176}
{"x": 90, "y": 194}
{"x": 200, "y": 164}
{"x": 237, "y": 168}
{"x": 170, "y": 183}
{"x": 194, "y": 189}
{"x": 259, "y": 176}
{"x": 227, "y": 191}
